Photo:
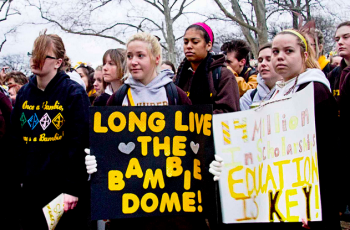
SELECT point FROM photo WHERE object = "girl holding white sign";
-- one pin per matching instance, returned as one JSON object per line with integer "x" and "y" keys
{"x": 294, "y": 59}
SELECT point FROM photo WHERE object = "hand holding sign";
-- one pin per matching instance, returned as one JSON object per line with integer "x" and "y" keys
{"x": 70, "y": 202}
{"x": 90, "y": 162}
{"x": 215, "y": 167}
{"x": 53, "y": 211}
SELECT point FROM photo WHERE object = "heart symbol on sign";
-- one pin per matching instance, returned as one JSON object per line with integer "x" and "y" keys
{"x": 194, "y": 147}
{"x": 126, "y": 148}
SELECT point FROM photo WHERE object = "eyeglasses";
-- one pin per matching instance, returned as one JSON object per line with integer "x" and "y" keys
{"x": 47, "y": 56}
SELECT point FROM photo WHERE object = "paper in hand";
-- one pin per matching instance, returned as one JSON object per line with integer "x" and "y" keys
{"x": 53, "y": 211}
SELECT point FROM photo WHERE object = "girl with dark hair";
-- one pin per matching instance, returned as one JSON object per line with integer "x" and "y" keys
{"x": 195, "y": 74}
{"x": 87, "y": 74}
{"x": 168, "y": 65}
{"x": 50, "y": 127}
{"x": 206, "y": 80}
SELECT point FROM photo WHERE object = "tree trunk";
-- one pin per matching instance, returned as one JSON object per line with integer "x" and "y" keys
{"x": 170, "y": 39}
{"x": 246, "y": 32}
{"x": 260, "y": 13}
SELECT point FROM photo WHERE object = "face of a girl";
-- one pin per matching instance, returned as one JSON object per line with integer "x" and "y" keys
{"x": 83, "y": 76}
{"x": 165, "y": 66}
{"x": 98, "y": 84}
{"x": 286, "y": 56}
{"x": 195, "y": 47}
{"x": 342, "y": 37}
{"x": 50, "y": 66}
{"x": 109, "y": 70}
{"x": 139, "y": 62}
{"x": 265, "y": 67}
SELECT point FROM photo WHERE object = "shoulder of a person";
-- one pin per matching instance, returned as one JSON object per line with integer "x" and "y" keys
{"x": 184, "y": 100}
{"x": 226, "y": 73}
{"x": 217, "y": 60}
{"x": 321, "y": 92}
{"x": 73, "y": 86}
{"x": 249, "y": 92}
{"x": 247, "y": 96}
{"x": 253, "y": 71}
{"x": 111, "y": 101}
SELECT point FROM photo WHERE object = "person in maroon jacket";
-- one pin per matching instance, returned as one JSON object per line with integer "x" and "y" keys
{"x": 196, "y": 73}
{"x": 295, "y": 61}
{"x": 341, "y": 79}
{"x": 9, "y": 219}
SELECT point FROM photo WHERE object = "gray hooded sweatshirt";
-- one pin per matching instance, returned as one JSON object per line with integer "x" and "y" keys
{"x": 152, "y": 94}
{"x": 263, "y": 94}
{"x": 310, "y": 75}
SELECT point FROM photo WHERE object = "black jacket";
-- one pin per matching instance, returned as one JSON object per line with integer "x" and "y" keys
{"x": 200, "y": 86}
{"x": 50, "y": 131}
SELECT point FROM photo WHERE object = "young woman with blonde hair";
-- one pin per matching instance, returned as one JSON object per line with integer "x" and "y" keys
{"x": 145, "y": 80}
{"x": 146, "y": 85}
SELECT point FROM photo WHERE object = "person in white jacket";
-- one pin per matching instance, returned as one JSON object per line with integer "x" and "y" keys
{"x": 267, "y": 78}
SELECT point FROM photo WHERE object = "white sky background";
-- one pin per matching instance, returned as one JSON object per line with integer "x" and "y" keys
{"x": 91, "y": 49}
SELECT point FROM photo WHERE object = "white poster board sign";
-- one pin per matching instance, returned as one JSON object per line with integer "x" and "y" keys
{"x": 270, "y": 171}
{"x": 53, "y": 211}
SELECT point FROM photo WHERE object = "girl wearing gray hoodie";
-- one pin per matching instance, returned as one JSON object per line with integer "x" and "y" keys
{"x": 147, "y": 88}
{"x": 267, "y": 78}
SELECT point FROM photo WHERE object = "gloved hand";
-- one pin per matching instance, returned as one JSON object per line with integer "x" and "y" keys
{"x": 215, "y": 167}
{"x": 90, "y": 162}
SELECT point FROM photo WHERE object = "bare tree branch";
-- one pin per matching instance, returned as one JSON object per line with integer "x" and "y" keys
{"x": 171, "y": 7}
{"x": 103, "y": 4}
{"x": 5, "y": 38}
{"x": 7, "y": 13}
{"x": 85, "y": 31}
{"x": 182, "y": 7}
{"x": 155, "y": 5}
{"x": 233, "y": 18}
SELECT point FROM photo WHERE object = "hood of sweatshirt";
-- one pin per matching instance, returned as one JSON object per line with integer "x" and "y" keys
{"x": 310, "y": 75}
{"x": 263, "y": 89}
{"x": 163, "y": 78}
{"x": 152, "y": 93}
{"x": 55, "y": 81}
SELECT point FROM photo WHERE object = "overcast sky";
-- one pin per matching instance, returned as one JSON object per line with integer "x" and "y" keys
{"x": 91, "y": 49}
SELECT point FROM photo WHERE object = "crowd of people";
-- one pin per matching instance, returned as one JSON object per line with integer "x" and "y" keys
{"x": 44, "y": 126}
